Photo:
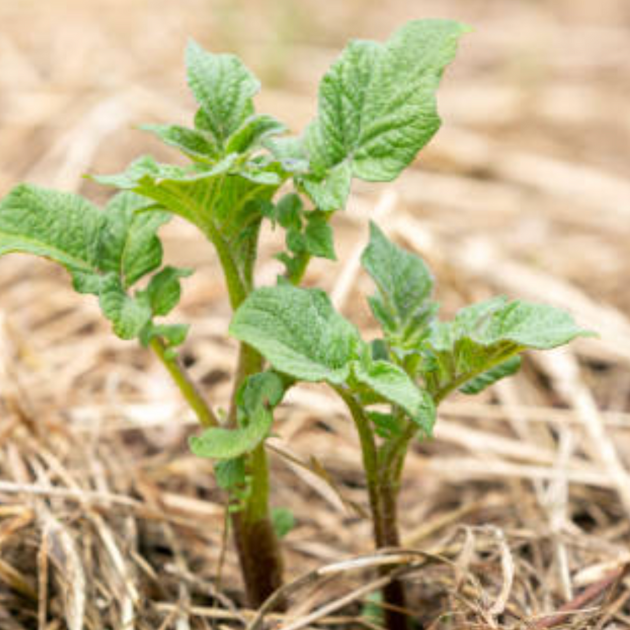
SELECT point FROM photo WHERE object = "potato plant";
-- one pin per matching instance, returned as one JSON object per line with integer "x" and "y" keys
{"x": 376, "y": 110}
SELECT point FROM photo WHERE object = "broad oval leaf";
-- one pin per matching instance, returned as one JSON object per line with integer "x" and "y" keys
{"x": 377, "y": 104}
{"x": 299, "y": 332}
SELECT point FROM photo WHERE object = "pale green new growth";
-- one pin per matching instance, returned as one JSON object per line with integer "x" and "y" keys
{"x": 224, "y": 89}
{"x": 404, "y": 285}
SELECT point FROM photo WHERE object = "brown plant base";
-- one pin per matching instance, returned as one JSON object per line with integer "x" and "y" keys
{"x": 260, "y": 560}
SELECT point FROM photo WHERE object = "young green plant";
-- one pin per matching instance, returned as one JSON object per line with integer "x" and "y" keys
{"x": 376, "y": 110}
{"x": 393, "y": 385}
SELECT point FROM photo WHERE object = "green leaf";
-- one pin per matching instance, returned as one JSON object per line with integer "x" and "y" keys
{"x": 484, "y": 336}
{"x": 256, "y": 399}
{"x": 296, "y": 242}
{"x": 223, "y": 87}
{"x": 253, "y": 132}
{"x": 330, "y": 192}
{"x": 165, "y": 290}
{"x": 265, "y": 388}
{"x": 213, "y": 198}
{"x": 377, "y": 102}
{"x": 194, "y": 143}
{"x": 386, "y": 425}
{"x": 62, "y": 227}
{"x": 283, "y": 521}
{"x": 173, "y": 334}
{"x": 106, "y": 252}
{"x": 298, "y": 332}
{"x": 485, "y": 379}
{"x": 404, "y": 285}
{"x": 128, "y": 315}
{"x": 230, "y": 473}
{"x": 129, "y": 245}
{"x": 219, "y": 443}
{"x": 290, "y": 152}
{"x": 394, "y": 385}
{"x": 289, "y": 211}
{"x": 319, "y": 236}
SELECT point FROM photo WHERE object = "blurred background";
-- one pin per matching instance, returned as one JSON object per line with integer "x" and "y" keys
{"x": 524, "y": 191}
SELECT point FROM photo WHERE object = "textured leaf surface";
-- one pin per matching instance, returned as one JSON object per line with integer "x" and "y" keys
{"x": 298, "y": 332}
{"x": 377, "y": 105}
{"x": 129, "y": 245}
{"x": 193, "y": 142}
{"x": 485, "y": 379}
{"x": 254, "y": 130}
{"x": 219, "y": 443}
{"x": 484, "y": 336}
{"x": 256, "y": 399}
{"x": 319, "y": 237}
{"x": 223, "y": 87}
{"x": 60, "y": 226}
{"x": 395, "y": 386}
{"x": 403, "y": 280}
{"x": 105, "y": 251}
{"x": 212, "y": 197}
{"x": 164, "y": 290}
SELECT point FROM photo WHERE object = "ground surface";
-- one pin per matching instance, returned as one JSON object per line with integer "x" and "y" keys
{"x": 524, "y": 494}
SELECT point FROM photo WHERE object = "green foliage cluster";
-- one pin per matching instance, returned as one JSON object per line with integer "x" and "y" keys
{"x": 376, "y": 110}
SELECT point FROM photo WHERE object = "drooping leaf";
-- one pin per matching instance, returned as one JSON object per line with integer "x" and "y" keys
{"x": 298, "y": 332}
{"x": 60, "y": 226}
{"x": 377, "y": 104}
{"x": 404, "y": 285}
{"x": 256, "y": 398}
{"x": 105, "y": 251}
{"x": 127, "y": 314}
{"x": 224, "y": 89}
{"x": 220, "y": 443}
{"x": 394, "y": 385}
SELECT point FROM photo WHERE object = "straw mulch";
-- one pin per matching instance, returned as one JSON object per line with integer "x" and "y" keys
{"x": 517, "y": 514}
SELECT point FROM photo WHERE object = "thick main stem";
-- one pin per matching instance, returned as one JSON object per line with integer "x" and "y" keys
{"x": 255, "y": 538}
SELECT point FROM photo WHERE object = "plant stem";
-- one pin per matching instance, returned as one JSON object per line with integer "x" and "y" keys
{"x": 256, "y": 541}
{"x": 195, "y": 400}
{"x": 383, "y": 482}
